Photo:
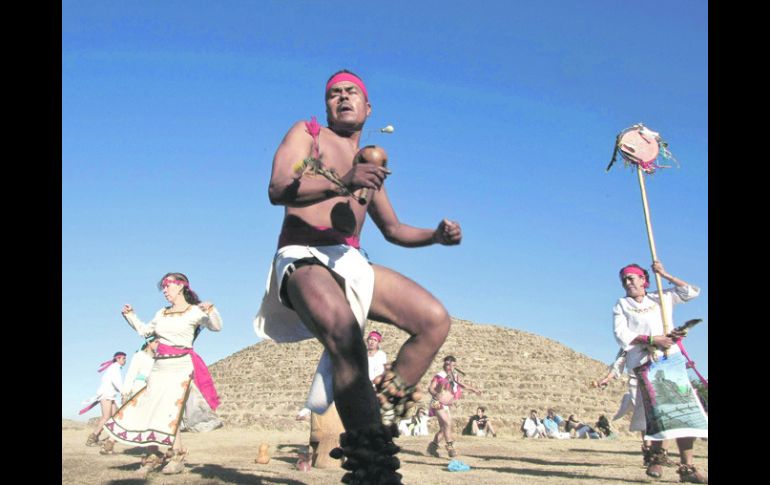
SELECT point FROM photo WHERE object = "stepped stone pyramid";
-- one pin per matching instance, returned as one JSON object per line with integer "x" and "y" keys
{"x": 265, "y": 385}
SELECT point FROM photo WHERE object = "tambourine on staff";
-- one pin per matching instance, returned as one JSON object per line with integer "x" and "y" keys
{"x": 640, "y": 147}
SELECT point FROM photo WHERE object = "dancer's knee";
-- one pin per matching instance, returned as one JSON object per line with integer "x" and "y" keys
{"x": 436, "y": 324}
{"x": 345, "y": 340}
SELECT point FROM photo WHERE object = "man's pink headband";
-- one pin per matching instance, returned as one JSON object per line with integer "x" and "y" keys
{"x": 375, "y": 335}
{"x": 346, "y": 76}
{"x": 635, "y": 270}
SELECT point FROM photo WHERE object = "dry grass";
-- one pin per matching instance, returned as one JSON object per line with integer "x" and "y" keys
{"x": 226, "y": 456}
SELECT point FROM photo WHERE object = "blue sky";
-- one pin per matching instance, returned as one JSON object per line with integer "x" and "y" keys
{"x": 505, "y": 116}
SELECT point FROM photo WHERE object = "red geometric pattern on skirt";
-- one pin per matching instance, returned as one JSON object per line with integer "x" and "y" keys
{"x": 152, "y": 437}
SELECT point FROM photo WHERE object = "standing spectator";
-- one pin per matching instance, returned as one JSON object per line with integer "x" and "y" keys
{"x": 377, "y": 358}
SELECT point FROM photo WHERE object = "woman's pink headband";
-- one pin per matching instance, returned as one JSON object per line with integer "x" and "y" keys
{"x": 637, "y": 271}
{"x": 346, "y": 76}
{"x": 169, "y": 281}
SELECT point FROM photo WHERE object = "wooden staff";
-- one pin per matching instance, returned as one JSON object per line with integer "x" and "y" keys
{"x": 651, "y": 240}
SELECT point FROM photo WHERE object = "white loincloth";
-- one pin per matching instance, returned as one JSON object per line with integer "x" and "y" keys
{"x": 277, "y": 322}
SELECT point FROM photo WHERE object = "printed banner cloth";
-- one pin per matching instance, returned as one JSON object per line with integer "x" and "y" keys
{"x": 671, "y": 405}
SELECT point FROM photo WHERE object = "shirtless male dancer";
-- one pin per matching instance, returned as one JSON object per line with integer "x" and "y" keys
{"x": 322, "y": 286}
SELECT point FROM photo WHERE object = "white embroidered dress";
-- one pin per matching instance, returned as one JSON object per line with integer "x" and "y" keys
{"x": 152, "y": 416}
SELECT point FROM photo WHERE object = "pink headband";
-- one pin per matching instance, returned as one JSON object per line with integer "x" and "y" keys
{"x": 168, "y": 281}
{"x": 108, "y": 363}
{"x": 375, "y": 335}
{"x": 636, "y": 271}
{"x": 346, "y": 76}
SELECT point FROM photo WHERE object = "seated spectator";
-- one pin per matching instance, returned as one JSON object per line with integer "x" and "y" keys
{"x": 533, "y": 427}
{"x": 416, "y": 426}
{"x": 552, "y": 422}
{"x": 303, "y": 414}
{"x": 603, "y": 425}
{"x": 581, "y": 430}
{"x": 480, "y": 424}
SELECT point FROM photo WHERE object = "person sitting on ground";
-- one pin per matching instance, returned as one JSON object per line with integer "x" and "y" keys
{"x": 480, "y": 424}
{"x": 303, "y": 414}
{"x": 533, "y": 426}
{"x": 417, "y": 425}
{"x": 552, "y": 422}
{"x": 603, "y": 425}
{"x": 581, "y": 430}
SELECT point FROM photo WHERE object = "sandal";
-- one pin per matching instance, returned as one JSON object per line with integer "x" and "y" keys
{"x": 149, "y": 463}
{"x": 688, "y": 474}
{"x": 451, "y": 449}
{"x": 175, "y": 462}
{"x": 668, "y": 461}
{"x": 655, "y": 468}
{"x": 92, "y": 440}
{"x": 433, "y": 449}
{"x": 108, "y": 447}
{"x": 646, "y": 455}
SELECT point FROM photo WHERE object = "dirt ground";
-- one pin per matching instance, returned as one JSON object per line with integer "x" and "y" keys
{"x": 226, "y": 456}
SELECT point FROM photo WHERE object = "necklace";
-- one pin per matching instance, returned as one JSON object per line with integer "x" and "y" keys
{"x": 169, "y": 311}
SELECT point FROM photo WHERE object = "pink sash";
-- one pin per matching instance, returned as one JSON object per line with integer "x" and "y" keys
{"x": 691, "y": 364}
{"x": 316, "y": 236}
{"x": 88, "y": 408}
{"x": 201, "y": 374}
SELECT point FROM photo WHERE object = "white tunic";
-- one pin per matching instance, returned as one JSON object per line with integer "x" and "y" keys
{"x": 376, "y": 364}
{"x": 109, "y": 387}
{"x": 138, "y": 370}
{"x": 111, "y": 383}
{"x": 176, "y": 329}
{"x": 632, "y": 318}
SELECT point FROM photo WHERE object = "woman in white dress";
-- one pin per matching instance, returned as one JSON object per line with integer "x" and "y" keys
{"x": 153, "y": 416}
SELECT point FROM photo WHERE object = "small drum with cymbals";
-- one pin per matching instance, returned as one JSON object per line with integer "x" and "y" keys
{"x": 639, "y": 145}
